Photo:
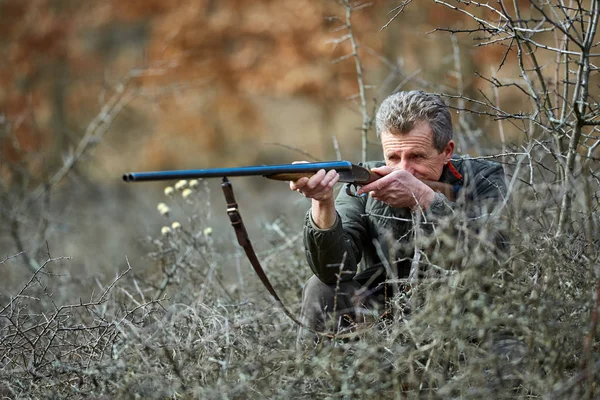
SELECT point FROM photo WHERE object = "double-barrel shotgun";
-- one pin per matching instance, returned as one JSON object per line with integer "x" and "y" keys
{"x": 352, "y": 174}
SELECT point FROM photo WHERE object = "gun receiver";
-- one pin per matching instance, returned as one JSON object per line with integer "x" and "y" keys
{"x": 351, "y": 174}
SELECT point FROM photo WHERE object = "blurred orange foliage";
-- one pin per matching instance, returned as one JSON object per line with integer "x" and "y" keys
{"x": 210, "y": 62}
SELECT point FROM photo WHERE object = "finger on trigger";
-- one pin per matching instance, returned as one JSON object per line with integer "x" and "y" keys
{"x": 366, "y": 188}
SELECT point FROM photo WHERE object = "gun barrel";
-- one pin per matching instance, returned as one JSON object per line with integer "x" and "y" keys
{"x": 260, "y": 170}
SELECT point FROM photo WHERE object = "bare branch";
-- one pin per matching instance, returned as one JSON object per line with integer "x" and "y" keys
{"x": 11, "y": 257}
{"x": 366, "y": 119}
{"x": 397, "y": 10}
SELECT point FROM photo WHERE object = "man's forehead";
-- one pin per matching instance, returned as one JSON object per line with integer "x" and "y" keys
{"x": 420, "y": 132}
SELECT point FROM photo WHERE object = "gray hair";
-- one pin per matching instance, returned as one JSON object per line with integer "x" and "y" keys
{"x": 400, "y": 111}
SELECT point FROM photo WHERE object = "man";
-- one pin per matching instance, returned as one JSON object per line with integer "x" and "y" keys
{"x": 376, "y": 229}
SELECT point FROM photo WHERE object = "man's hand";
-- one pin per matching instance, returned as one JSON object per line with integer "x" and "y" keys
{"x": 319, "y": 188}
{"x": 399, "y": 189}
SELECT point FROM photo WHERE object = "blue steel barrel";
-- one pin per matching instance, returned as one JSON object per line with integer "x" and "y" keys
{"x": 260, "y": 170}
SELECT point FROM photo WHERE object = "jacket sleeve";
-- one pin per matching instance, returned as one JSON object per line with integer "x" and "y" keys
{"x": 483, "y": 191}
{"x": 339, "y": 246}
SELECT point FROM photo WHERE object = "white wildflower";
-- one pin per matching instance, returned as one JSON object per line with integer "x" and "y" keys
{"x": 163, "y": 209}
{"x": 176, "y": 225}
{"x": 208, "y": 231}
{"x": 194, "y": 183}
{"x": 169, "y": 191}
{"x": 186, "y": 193}
{"x": 165, "y": 230}
{"x": 181, "y": 185}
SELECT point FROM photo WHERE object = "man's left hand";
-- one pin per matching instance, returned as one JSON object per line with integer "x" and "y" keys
{"x": 399, "y": 189}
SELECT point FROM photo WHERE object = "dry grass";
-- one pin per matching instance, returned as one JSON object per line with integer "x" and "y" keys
{"x": 179, "y": 331}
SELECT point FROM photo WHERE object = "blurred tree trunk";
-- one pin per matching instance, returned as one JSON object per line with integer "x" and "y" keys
{"x": 59, "y": 119}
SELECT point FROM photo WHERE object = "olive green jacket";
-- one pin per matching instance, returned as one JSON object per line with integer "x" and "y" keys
{"x": 366, "y": 228}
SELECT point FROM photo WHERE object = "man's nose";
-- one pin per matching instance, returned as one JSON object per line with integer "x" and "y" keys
{"x": 407, "y": 166}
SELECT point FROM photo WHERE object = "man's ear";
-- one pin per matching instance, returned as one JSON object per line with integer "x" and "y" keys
{"x": 448, "y": 151}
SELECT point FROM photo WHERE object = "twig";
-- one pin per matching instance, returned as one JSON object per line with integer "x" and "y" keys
{"x": 398, "y": 10}
{"x": 11, "y": 257}
{"x": 33, "y": 277}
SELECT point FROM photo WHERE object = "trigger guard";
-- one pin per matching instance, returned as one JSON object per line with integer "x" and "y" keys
{"x": 352, "y": 193}
{"x": 349, "y": 190}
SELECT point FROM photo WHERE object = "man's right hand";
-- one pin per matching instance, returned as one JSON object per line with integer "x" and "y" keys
{"x": 319, "y": 188}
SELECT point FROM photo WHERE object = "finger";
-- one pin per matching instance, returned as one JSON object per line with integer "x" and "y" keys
{"x": 328, "y": 183}
{"x": 377, "y": 185}
{"x": 384, "y": 170}
{"x": 330, "y": 176}
{"x": 316, "y": 179}
{"x": 363, "y": 189}
{"x": 299, "y": 184}
{"x": 334, "y": 180}
{"x": 325, "y": 189}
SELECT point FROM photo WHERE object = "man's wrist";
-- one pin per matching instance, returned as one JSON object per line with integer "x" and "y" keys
{"x": 323, "y": 213}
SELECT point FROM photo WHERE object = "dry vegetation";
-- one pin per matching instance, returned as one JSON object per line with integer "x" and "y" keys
{"x": 178, "y": 329}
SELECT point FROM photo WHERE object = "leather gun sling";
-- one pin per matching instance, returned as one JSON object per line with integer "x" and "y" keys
{"x": 244, "y": 241}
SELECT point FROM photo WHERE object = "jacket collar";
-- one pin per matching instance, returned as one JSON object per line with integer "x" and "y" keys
{"x": 451, "y": 175}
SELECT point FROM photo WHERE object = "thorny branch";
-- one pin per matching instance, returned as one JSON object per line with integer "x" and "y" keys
{"x": 33, "y": 339}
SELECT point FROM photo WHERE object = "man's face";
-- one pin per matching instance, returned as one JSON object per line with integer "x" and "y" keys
{"x": 414, "y": 152}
